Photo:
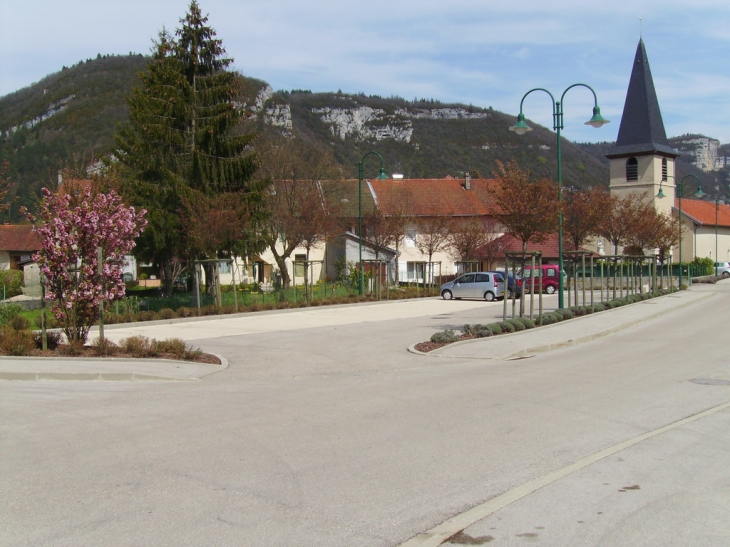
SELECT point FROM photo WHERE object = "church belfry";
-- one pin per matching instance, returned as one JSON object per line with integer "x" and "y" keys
{"x": 642, "y": 157}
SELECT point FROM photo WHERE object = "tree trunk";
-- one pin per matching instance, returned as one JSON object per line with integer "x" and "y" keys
{"x": 281, "y": 262}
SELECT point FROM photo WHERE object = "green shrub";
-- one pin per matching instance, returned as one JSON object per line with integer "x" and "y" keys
{"x": 167, "y": 313}
{"x": 137, "y": 346}
{"x": 186, "y": 312}
{"x": 16, "y": 342}
{"x": 506, "y": 327}
{"x": 175, "y": 346}
{"x": 577, "y": 311}
{"x": 566, "y": 313}
{"x": 53, "y": 339}
{"x": 20, "y": 323}
{"x": 529, "y": 323}
{"x": 13, "y": 281}
{"x": 516, "y": 323}
{"x": 549, "y": 318}
{"x": 483, "y": 332}
{"x": 469, "y": 330}
{"x": 8, "y": 312}
{"x": 147, "y": 316}
{"x": 599, "y": 307}
{"x": 444, "y": 337}
{"x": 104, "y": 347}
{"x": 588, "y": 310}
{"x": 495, "y": 328}
{"x": 75, "y": 347}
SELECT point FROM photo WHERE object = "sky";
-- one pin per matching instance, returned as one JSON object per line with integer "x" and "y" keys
{"x": 480, "y": 52}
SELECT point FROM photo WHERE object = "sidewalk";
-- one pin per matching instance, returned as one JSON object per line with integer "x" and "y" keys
{"x": 570, "y": 332}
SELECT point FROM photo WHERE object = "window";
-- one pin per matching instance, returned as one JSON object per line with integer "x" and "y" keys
{"x": 551, "y": 272}
{"x": 299, "y": 265}
{"x": 468, "y": 278}
{"x": 410, "y": 238}
{"x": 415, "y": 270}
{"x": 224, "y": 267}
{"x": 632, "y": 169}
{"x": 482, "y": 278}
{"x": 664, "y": 168}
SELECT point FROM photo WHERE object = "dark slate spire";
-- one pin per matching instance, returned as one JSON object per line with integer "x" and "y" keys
{"x": 642, "y": 128}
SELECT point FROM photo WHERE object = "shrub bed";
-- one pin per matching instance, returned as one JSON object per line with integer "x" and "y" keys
{"x": 522, "y": 323}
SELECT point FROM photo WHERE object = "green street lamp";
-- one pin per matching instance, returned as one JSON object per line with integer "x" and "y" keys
{"x": 678, "y": 191}
{"x": 382, "y": 175}
{"x": 718, "y": 201}
{"x": 521, "y": 128}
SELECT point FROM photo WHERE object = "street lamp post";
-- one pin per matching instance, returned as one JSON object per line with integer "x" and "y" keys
{"x": 719, "y": 200}
{"x": 678, "y": 190}
{"x": 521, "y": 128}
{"x": 382, "y": 175}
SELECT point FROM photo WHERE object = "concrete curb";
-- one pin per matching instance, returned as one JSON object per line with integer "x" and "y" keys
{"x": 108, "y": 376}
{"x": 557, "y": 345}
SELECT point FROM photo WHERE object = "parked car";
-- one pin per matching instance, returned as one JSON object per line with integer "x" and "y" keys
{"x": 514, "y": 286}
{"x": 722, "y": 268}
{"x": 487, "y": 285}
{"x": 546, "y": 280}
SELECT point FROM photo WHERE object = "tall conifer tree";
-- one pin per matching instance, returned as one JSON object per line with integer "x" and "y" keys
{"x": 182, "y": 143}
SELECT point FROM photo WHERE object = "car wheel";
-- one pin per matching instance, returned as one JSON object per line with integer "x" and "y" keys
{"x": 446, "y": 295}
{"x": 489, "y": 296}
{"x": 509, "y": 295}
{"x": 550, "y": 289}
{"x": 726, "y": 274}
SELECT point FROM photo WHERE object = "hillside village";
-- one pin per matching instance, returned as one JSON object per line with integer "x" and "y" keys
{"x": 439, "y": 159}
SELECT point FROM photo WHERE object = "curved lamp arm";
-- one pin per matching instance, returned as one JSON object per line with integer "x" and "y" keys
{"x": 597, "y": 120}
{"x": 680, "y": 186}
{"x": 360, "y": 167}
{"x": 521, "y": 127}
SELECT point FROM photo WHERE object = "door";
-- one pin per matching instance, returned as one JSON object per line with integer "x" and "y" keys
{"x": 464, "y": 286}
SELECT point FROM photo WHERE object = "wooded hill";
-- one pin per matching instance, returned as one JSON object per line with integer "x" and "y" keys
{"x": 70, "y": 117}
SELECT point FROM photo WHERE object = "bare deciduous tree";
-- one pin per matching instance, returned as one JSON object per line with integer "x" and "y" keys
{"x": 471, "y": 234}
{"x": 582, "y": 214}
{"x": 527, "y": 209}
{"x": 298, "y": 213}
{"x": 433, "y": 236}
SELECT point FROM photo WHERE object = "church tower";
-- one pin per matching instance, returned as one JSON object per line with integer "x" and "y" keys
{"x": 642, "y": 159}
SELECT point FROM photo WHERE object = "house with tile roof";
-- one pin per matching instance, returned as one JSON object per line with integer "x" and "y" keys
{"x": 706, "y": 229}
{"x": 18, "y": 242}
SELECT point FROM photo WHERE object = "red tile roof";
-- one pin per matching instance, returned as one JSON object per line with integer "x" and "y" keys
{"x": 434, "y": 197}
{"x": 549, "y": 248}
{"x": 704, "y": 212}
{"x": 19, "y": 237}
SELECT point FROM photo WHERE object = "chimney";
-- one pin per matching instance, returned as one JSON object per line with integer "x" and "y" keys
{"x": 467, "y": 180}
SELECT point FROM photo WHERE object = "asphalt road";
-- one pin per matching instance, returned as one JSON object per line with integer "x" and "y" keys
{"x": 334, "y": 435}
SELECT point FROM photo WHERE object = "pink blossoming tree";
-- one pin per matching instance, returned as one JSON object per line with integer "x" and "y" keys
{"x": 71, "y": 229}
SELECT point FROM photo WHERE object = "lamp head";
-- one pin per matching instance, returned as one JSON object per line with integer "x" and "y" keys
{"x": 699, "y": 193}
{"x": 660, "y": 194}
{"x": 382, "y": 174}
{"x": 597, "y": 120}
{"x": 520, "y": 127}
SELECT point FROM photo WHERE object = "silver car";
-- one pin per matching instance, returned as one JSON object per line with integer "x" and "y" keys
{"x": 486, "y": 285}
{"x": 722, "y": 268}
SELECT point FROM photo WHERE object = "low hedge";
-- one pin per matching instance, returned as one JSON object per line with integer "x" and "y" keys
{"x": 517, "y": 324}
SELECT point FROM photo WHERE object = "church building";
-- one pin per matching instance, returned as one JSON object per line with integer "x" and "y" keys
{"x": 642, "y": 161}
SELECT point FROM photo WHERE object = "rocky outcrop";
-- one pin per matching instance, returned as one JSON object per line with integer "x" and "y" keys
{"x": 52, "y": 110}
{"x": 703, "y": 151}
{"x": 365, "y": 123}
{"x": 442, "y": 114}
